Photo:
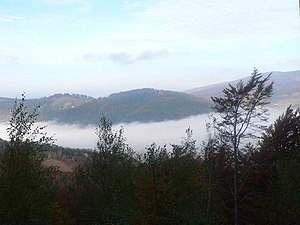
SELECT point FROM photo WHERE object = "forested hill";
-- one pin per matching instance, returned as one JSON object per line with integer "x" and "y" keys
{"x": 141, "y": 105}
{"x": 146, "y": 105}
{"x": 138, "y": 105}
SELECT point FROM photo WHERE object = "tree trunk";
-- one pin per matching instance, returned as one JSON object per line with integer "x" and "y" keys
{"x": 235, "y": 182}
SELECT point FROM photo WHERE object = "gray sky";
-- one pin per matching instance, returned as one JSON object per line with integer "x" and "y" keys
{"x": 97, "y": 47}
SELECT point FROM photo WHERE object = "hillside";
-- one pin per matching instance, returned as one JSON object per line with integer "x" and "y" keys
{"x": 146, "y": 105}
{"x": 286, "y": 89}
{"x": 50, "y": 107}
{"x": 65, "y": 159}
{"x": 141, "y": 105}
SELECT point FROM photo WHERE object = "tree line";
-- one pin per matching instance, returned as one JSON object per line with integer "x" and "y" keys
{"x": 244, "y": 173}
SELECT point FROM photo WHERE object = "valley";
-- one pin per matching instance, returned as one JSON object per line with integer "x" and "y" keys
{"x": 146, "y": 105}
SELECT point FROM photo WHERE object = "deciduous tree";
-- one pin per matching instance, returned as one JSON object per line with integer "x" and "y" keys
{"x": 241, "y": 110}
{"x": 24, "y": 182}
{"x": 105, "y": 181}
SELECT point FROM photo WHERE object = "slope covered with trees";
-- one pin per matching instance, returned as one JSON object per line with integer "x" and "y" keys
{"x": 142, "y": 105}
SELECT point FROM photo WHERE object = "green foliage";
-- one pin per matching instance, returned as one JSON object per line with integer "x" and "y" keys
{"x": 283, "y": 137}
{"x": 105, "y": 181}
{"x": 151, "y": 188}
{"x": 24, "y": 183}
{"x": 170, "y": 187}
{"x": 2, "y": 144}
{"x": 284, "y": 203}
{"x": 280, "y": 153}
{"x": 217, "y": 166}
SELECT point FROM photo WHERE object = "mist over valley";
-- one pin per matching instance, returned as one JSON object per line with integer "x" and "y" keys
{"x": 138, "y": 135}
{"x": 147, "y": 115}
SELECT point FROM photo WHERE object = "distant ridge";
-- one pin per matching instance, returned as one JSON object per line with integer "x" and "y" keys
{"x": 286, "y": 89}
{"x": 140, "y": 105}
{"x": 147, "y": 104}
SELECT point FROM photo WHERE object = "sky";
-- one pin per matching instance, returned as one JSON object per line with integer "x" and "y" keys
{"x": 98, "y": 47}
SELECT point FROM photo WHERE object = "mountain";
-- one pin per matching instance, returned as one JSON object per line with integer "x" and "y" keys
{"x": 146, "y": 105}
{"x": 50, "y": 107}
{"x": 286, "y": 89}
{"x": 141, "y": 105}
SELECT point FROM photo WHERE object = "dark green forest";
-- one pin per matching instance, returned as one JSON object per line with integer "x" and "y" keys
{"x": 143, "y": 105}
{"x": 244, "y": 173}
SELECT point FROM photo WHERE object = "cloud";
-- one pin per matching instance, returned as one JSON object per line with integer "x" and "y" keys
{"x": 91, "y": 57}
{"x": 233, "y": 18}
{"x": 122, "y": 58}
{"x": 10, "y": 18}
{"x": 146, "y": 55}
{"x": 294, "y": 62}
{"x": 201, "y": 37}
{"x": 138, "y": 135}
{"x": 125, "y": 58}
{"x": 287, "y": 64}
{"x": 10, "y": 60}
{"x": 201, "y": 27}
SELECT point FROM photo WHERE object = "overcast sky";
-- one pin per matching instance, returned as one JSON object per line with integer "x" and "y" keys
{"x": 96, "y": 47}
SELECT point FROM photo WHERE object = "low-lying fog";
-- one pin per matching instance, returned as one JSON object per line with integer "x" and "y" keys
{"x": 138, "y": 135}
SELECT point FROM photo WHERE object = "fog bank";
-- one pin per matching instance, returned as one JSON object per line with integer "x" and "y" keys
{"x": 138, "y": 135}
